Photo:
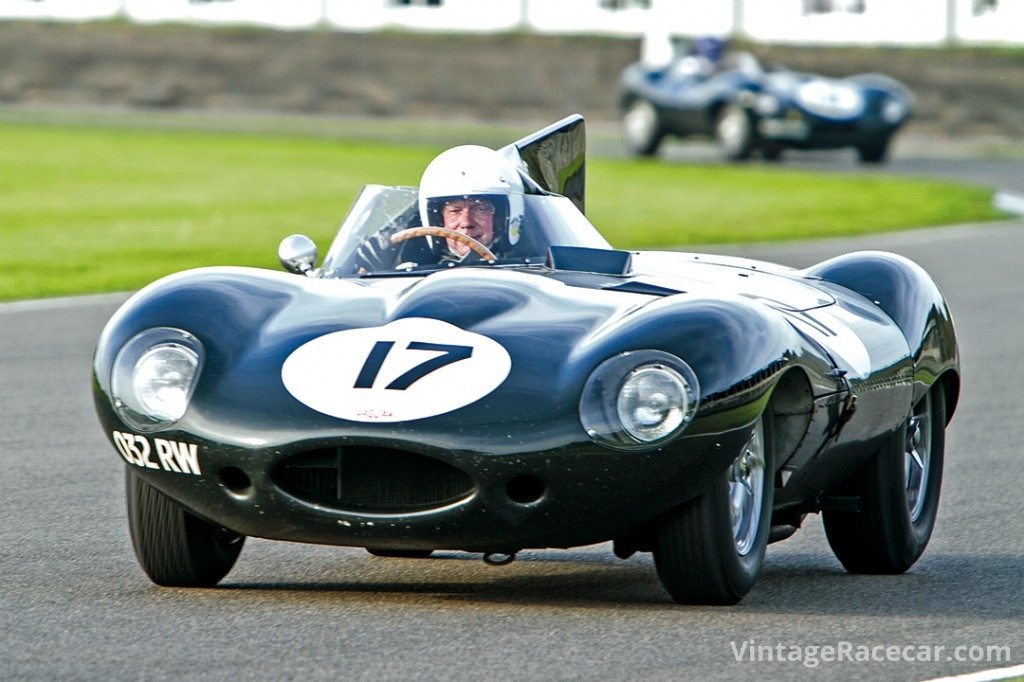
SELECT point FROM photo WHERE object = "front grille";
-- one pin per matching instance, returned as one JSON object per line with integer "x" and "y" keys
{"x": 374, "y": 480}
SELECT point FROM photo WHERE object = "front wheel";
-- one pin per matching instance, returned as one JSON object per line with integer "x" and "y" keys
{"x": 710, "y": 550}
{"x": 175, "y": 548}
{"x": 642, "y": 128}
{"x": 734, "y": 130}
{"x": 898, "y": 495}
{"x": 874, "y": 152}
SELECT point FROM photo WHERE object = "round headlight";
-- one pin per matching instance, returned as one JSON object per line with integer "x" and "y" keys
{"x": 153, "y": 377}
{"x": 639, "y": 399}
{"x": 162, "y": 379}
{"x": 652, "y": 402}
{"x": 893, "y": 111}
{"x": 768, "y": 105}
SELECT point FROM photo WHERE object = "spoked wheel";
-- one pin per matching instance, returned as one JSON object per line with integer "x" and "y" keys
{"x": 734, "y": 131}
{"x": 400, "y": 553}
{"x": 175, "y": 548}
{"x": 710, "y": 550}
{"x": 642, "y": 128}
{"x": 898, "y": 492}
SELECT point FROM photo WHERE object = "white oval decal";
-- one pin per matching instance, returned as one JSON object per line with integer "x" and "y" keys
{"x": 408, "y": 369}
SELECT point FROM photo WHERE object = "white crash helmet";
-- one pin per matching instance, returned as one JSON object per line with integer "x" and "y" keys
{"x": 472, "y": 171}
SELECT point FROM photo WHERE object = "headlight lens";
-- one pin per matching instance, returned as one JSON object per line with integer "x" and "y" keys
{"x": 162, "y": 379}
{"x": 893, "y": 111}
{"x": 639, "y": 399}
{"x": 652, "y": 402}
{"x": 768, "y": 105}
{"x": 154, "y": 376}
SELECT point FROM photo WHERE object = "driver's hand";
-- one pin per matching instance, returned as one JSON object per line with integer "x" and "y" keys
{"x": 375, "y": 253}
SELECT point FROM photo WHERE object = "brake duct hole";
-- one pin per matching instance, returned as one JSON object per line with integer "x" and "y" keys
{"x": 525, "y": 489}
{"x": 235, "y": 480}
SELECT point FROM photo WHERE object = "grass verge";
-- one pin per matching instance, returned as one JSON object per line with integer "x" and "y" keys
{"x": 97, "y": 208}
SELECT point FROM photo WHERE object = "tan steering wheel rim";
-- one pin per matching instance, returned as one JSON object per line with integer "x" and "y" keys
{"x": 412, "y": 232}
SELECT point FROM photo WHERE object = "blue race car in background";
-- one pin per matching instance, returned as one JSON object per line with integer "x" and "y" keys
{"x": 749, "y": 107}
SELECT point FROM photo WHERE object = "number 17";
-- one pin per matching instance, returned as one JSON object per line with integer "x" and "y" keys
{"x": 381, "y": 349}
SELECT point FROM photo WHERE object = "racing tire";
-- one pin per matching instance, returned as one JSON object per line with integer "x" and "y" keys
{"x": 874, "y": 152}
{"x": 734, "y": 131}
{"x": 711, "y": 549}
{"x": 898, "y": 495}
{"x": 175, "y": 548}
{"x": 400, "y": 553}
{"x": 772, "y": 152}
{"x": 642, "y": 128}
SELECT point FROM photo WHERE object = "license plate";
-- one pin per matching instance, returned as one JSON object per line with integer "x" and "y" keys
{"x": 792, "y": 129}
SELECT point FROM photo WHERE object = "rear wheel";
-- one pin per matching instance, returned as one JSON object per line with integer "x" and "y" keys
{"x": 874, "y": 152}
{"x": 175, "y": 548}
{"x": 710, "y": 550}
{"x": 898, "y": 495}
{"x": 642, "y": 128}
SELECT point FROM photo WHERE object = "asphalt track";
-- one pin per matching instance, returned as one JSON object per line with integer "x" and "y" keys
{"x": 74, "y": 604}
{"x": 973, "y": 161}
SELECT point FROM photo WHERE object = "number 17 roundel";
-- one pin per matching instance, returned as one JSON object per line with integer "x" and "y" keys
{"x": 408, "y": 369}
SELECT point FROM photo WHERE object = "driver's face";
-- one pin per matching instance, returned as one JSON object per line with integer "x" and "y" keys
{"x": 473, "y": 217}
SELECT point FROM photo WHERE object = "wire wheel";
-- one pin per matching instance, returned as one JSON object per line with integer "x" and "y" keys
{"x": 917, "y": 458}
{"x": 734, "y": 130}
{"x": 710, "y": 550}
{"x": 746, "y": 492}
{"x": 897, "y": 492}
{"x": 642, "y": 128}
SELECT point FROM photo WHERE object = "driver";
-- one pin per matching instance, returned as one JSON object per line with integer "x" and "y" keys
{"x": 470, "y": 190}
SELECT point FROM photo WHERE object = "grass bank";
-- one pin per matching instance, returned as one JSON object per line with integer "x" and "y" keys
{"x": 98, "y": 208}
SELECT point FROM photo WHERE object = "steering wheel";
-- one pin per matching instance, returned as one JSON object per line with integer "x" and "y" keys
{"x": 477, "y": 248}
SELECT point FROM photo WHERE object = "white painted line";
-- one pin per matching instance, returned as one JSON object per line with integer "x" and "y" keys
{"x": 1009, "y": 202}
{"x": 44, "y": 304}
{"x": 984, "y": 675}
